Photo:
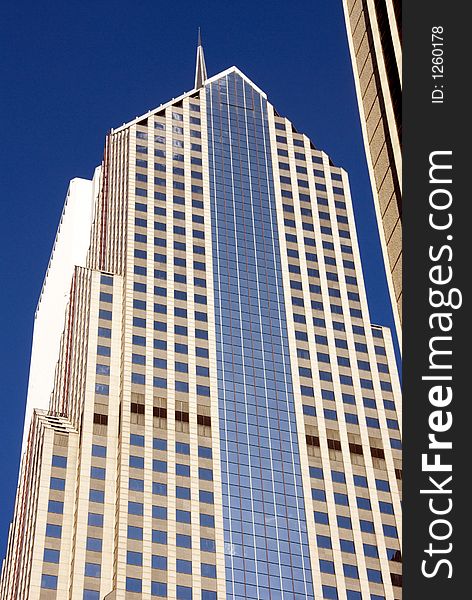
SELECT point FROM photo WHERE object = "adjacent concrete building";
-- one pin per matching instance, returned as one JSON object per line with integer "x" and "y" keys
{"x": 224, "y": 420}
{"x": 374, "y": 34}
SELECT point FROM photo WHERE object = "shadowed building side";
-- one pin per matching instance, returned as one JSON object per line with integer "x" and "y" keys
{"x": 374, "y": 36}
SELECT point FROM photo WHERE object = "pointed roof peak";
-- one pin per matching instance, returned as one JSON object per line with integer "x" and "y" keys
{"x": 237, "y": 71}
{"x": 200, "y": 67}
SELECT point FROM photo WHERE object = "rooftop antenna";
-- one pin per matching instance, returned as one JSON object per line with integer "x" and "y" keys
{"x": 200, "y": 68}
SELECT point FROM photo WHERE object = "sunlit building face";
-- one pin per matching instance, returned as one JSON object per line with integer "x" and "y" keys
{"x": 224, "y": 420}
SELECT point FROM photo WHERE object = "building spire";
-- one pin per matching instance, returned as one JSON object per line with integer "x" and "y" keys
{"x": 200, "y": 68}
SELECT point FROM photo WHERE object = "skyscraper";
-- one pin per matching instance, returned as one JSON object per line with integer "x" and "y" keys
{"x": 223, "y": 419}
{"x": 374, "y": 35}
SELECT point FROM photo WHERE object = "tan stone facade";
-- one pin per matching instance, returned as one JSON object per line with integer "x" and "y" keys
{"x": 124, "y": 484}
{"x": 373, "y": 28}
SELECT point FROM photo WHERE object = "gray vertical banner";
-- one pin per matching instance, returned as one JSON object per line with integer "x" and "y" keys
{"x": 437, "y": 127}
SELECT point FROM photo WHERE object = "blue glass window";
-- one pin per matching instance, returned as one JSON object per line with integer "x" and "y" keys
{"x": 351, "y": 418}
{"x": 159, "y": 444}
{"x": 321, "y": 517}
{"x": 135, "y": 508}
{"x": 206, "y": 497}
{"x": 97, "y": 496}
{"x": 103, "y": 369}
{"x": 134, "y": 558}
{"x": 159, "y": 489}
{"x": 366, "y": 526}
{"x": 350, "y": 571}
{"x": 344, "y": 522}
{"x": 159, "y": 589}
{"x": 136, "y": 462}
{"x": 59, "y": 461}
{"x": 182, "y": 492}
{"x": 207, "y": 520}
{"x": 347, "y": 546}
{"x": 316, "y": 472}
{"x": 374, "y": 575}
{"x": 396, "y": 444}
{"x": 92, "y": 569}
{"x": 159, "y": 512}
{"x": 105, "y": 297}
{"x": 49, "y": 582}
{"x": 208, "y": 570}
{"x": 317, "y": 494}
{"x": 363, "y": 503}
{"x": 183, "y": 541}
{"x": 327, "y": 566}
{"x": 205, "y": 452}
{"x": 382, "y": 485}
{"x": 386, "y": 507}
{"x": 106, "y": 280}
{"x": 184, "y": 566}
{"x": 97, "y": 473}
{"x": 137, "y": 440}
{"x": 55, "y": 506}
{"x": 338, "y": 476}
{"x": 136, "y": 485}
{"x": 207, "y": 545}
{"x": 323, "y": 541}
{"x": 330, "y": 592}
{"x": 94, "y": 544}
{"x": 102, "y": 389}
{"x": 134, "y": 585}
{"x": 360, "y": 481}
{"x": 182, "y": 448}
{"x": 390, "y": 531}
{"x": 159, "y": 562}
{"x": 159, "y": 537}
{"x": 370, "y": 550}
{"x": 341, "y": 499}
{"x": 183, "y": 592}
{"x": 135, "y": 533}
{"x": 160, "y": 466}
{"x": 53, "y": 530}
{"x": 183, "y": 516}
{"x": 51, "y": 556}
{"x": 56, "y": 483}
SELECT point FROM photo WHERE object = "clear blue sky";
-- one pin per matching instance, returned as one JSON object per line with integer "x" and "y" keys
{"x": 71, "y": 70}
